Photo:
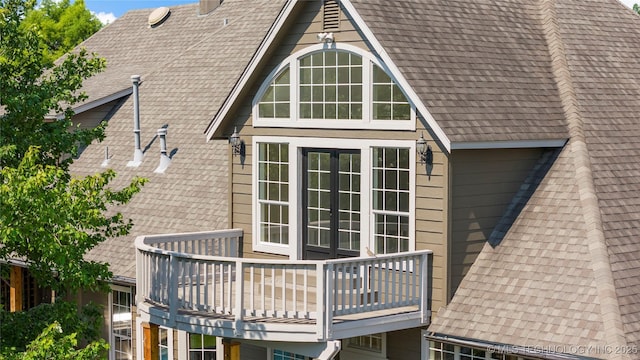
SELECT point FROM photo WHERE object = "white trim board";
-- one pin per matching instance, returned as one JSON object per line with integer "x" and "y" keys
{"x": 294, "y": 249}
{"x": 95, "y": 103}
{"x": 368, "y": 36}
{"x": 514, "y": 144}
{"x": 253, "y": 64}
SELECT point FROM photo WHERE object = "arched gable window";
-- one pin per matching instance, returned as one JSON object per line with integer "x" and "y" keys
{"x": 340, "y": 86}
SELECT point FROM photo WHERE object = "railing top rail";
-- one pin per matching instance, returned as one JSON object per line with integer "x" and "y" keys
{"x": 381, "y": 257}
{"x": 145, "y": 243}
{"x": 150, "y": 249}
{"x": 177, "y": 237}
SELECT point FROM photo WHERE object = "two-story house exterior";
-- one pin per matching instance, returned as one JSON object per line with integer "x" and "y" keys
{"x": 365, "y": 179}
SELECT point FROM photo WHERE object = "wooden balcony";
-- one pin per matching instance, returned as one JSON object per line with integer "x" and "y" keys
{"x": 199, "y": 282}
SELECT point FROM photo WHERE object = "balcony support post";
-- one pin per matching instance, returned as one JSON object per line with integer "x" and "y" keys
{"x": 150, "y": 339}
{"x": 231, "y": 349}
{"x": 15, "y": 289}
{"x": 321, "y": 308}
{"x": 239, "y": 297}
{"x": 173, "y": 290}
{"x": 424, "y": 289}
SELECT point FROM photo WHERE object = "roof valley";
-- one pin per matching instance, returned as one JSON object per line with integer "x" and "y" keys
{"x": 601, "y": 265}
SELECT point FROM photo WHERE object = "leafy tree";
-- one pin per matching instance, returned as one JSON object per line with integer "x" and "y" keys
{"x": 54, "y": 344}
{"x": 54, "y": 219}
{"x": 46, "y": 215}
{"x": 32, "y": 88}
{"x": 18, "y": 329}
{"x": 62, "y": 25}
{"x": 636, "y": 8}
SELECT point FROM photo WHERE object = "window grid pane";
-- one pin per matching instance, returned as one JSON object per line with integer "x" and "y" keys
{"x": 319, "y": 199}
{"x": 275, "y": 102}
{"x": 349, "y": 201}
{"x": 389, "y": 103}
{"x": 273, "y": 197}
{"x": 163, "y": 343}
{"x": 391, "y": 174}
{"x": 445, "y": 351}
{"x": 283, "y": 355}
{"x": 371, "y": 342}
{"x": 331, "y": 86}
{"x": 202, "y": 347}
{"x": 121, "y": 323}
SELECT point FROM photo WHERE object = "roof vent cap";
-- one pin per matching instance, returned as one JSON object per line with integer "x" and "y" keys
{"x": 158, "y": 16}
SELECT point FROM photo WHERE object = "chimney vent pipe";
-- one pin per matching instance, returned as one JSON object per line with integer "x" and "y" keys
{"x": 165, "y": 161}
{"x": 207, "y": 6}
{"x": 137, "y": 151}
{"x": 105, "y": 162}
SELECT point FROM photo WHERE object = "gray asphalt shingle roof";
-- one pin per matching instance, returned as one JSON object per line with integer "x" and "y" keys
{"x": 566, "y": 270}
{"x": 188, "y": 66}
{"x": 482, "y": 68}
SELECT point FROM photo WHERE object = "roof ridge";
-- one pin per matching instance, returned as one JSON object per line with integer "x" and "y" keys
{"x": 600, "y": 260}
{"x": 204, "y": 38}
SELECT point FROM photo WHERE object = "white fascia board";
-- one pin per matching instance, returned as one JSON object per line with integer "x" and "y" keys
{"x": 402, "y": 82}
{"x": 95, "y": 103}
{"x": 514, "y": 144}
{"x": 253, "y": 64}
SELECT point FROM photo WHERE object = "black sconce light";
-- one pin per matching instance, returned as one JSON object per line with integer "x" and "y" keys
{"x": 235, "y": 142}
{"x": 425, "y": 154}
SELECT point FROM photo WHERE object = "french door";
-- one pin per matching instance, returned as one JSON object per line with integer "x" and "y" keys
{"x": 331, "y": 203}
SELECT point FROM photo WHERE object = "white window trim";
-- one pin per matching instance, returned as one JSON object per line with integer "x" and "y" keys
{"x": 169, "y": 341}
{"x": 294, "y": 119}
{"x": 112, "y": 339}
{"x": 296, "y": 144}
{"x": 356, "y": 353}
{"x": 183, "y": 346}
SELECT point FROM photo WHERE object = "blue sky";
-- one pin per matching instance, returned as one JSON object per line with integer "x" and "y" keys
{"x": 108, "y": 10}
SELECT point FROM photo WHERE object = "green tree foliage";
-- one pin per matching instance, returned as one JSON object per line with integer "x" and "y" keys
{"x": 62, "y": 25}
{"x": 54, "y": 219}
{"x": 53, "y": 344}
{"x": 636, "y": 8}
{"x": 32, "y": 89}
{"x": 46, "y": 215}
{"x": 18, "y": 329}
{"x": 49, "y": 218}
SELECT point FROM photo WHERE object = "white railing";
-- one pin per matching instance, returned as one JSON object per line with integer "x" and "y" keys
{"x": 203, "y": 273}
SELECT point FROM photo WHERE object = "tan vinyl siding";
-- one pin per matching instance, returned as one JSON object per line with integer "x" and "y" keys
{"x": 403, "y": 344}
{"x": 431, "y": 216}
{"x": 431, "y": 194}
{"x": 484, "y": 182}
{"x": 297, "y": 35}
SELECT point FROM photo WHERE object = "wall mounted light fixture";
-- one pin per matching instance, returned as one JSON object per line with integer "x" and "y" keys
{"x": 235, "y": 142}
{"x": 325, "y": 37}
{"x": 425, "y": 154}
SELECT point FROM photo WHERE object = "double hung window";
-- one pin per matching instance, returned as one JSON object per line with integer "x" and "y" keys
{"x": 121, "y": 323}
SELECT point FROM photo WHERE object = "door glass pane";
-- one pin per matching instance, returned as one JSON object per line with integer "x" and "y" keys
{"x": 318, "y": 198}
{"x": 349, "y": 201}
{"x": 333, "y": 209}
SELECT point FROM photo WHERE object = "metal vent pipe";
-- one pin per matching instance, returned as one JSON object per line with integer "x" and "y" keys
{"x": 164, "y": 158}
{"x": 137, "y": 151}
{"x": 207, "y": 6}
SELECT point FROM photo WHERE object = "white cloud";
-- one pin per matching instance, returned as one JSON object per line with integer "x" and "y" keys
{"x": 629, "y": 3}
{"x": 105, "y": 18}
